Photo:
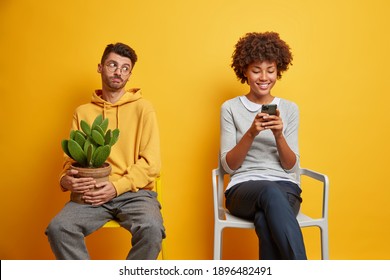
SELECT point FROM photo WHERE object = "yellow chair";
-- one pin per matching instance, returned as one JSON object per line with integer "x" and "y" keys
{"x": 115, "y": 224}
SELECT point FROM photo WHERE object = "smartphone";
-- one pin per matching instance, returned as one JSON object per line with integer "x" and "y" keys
{"x": 270, "y": 109}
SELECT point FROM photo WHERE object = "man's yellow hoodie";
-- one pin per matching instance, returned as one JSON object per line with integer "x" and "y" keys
{"x": 135, "y": 158}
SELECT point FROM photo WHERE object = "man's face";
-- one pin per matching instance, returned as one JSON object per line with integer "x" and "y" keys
{"x": 115, "y": 71}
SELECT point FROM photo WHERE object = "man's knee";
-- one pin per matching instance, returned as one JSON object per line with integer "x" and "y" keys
{"x": 55, "y": 228}
{"x": 152, "y": 230}
{"x": 155, "y": 230}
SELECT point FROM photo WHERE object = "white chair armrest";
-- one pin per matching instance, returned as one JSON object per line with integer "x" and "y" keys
{"x": 324, "y": 179}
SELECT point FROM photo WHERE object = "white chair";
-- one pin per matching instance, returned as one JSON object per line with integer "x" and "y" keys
{"x": 223, "y": 219}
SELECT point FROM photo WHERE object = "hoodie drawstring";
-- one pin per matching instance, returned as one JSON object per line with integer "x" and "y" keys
{"x": 104, "y": 110}
{"x": 117, "y": 117}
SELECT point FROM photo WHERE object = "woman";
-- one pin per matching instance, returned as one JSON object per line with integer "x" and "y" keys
{"x": 260, "y": 151}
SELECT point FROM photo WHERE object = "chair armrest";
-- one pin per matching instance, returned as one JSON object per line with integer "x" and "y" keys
{"x": 315, "y": 175}
{"x": 324, "y": 179}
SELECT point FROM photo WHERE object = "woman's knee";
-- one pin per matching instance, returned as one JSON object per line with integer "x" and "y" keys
{"x": 272, "y": 195}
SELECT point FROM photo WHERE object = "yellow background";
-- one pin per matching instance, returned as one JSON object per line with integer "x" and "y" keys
{"x": 49, "y": 56}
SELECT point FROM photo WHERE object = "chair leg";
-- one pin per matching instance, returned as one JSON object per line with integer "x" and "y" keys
{"x": 324, "y": 243}
{"x": 217, "y": 243}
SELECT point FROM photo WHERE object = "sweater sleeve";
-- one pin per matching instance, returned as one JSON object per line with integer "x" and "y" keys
{"x": 291, "y": 132}
{"x": 228, "y": 135}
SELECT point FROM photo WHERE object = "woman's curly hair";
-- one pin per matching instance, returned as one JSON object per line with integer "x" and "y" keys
{"x": 261, "y": 47}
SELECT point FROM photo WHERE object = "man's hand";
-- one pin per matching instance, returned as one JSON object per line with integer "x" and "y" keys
{"x": 76, "y": 185}
{"x": 105, "y": 192}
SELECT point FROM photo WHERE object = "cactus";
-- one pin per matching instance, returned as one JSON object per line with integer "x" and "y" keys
{"x": 91, "y": 146}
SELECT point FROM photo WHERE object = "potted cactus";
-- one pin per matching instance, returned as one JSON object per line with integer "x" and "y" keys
{"x": 90, "y": 148}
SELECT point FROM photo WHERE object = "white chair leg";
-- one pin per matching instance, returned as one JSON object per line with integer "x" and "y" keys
{"x": 324, "y": 243}
{"x": 217, "y": 243}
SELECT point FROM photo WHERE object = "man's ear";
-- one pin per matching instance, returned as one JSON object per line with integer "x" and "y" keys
{"x": 100, "y": 68}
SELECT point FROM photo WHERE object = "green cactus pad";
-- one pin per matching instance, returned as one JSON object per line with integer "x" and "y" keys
{"x": 104, "y": 125}
{"x": 97, "y": 137}
{"x": 86, "y": 144}
{"x": 99, "y": 129}
{"x": 107, "y": 137}
{"x": 80, "y": 138}
{"x": 98, "y": 120}
{"x": 115, "y": 136}
{"x": 77, "y": 152}
{"x": 64, "y": 145}
{"x": 100, "y": 156}
{"x": 90, "y": 151}
{"x": 85, "y": 127}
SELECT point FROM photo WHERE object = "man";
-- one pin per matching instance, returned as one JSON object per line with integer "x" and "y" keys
{"x": 128, "y": 196}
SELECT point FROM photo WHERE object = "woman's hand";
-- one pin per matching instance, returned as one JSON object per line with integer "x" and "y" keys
{"x": 273, "y": 122}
